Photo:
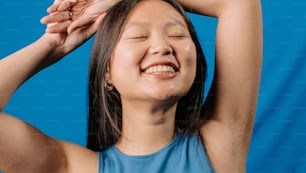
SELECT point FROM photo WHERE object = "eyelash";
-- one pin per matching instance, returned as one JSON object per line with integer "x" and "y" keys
{"x": 139, "y": 37}
{"x": 179, "y": 36}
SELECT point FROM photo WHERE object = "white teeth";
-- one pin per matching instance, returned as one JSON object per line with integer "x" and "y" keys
{"x": 160, "y": 69}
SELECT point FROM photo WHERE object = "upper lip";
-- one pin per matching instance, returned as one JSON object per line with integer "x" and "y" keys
{"x": 175, "y": 66}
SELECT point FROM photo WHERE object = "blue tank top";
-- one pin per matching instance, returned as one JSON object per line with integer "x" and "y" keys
{"x": 181, "y": 155}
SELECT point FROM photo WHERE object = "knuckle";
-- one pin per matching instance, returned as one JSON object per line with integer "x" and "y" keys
{"x": 62, "y": 15}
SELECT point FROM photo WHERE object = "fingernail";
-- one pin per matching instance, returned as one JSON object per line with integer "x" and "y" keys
{"x": 42, "y": 20}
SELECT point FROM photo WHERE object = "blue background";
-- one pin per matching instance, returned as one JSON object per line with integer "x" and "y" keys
{"x": 54, "y": 100}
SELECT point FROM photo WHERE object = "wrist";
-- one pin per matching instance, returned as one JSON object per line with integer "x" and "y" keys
{"x": 51, "y": 48}
{"x": 50, "y": 42}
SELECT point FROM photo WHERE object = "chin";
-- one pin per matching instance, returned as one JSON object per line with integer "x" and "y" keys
{"x": 167, "y": 95}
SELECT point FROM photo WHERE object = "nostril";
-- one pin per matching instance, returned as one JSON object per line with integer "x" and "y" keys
{"x": 168, "y": 53}
{"x": 165, "y": 49}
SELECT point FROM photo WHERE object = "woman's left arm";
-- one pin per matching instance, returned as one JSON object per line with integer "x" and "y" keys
{"x": 231, "y": 103}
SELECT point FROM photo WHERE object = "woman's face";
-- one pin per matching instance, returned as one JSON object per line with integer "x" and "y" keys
{"x": 155, "y": 57}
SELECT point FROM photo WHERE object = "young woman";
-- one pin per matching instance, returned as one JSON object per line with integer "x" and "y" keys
{"x": 145, "y": 89}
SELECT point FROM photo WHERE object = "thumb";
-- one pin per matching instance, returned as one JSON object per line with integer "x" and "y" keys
{"x": 80, "y": 22}
{"x": 81, "y": 34}
{"x": 86, "y": 20}
{"x": 94, "y": 27}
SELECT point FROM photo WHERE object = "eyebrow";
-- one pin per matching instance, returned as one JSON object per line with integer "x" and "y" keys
{"x": 176, "y": 22}
{"x": 169, "y": 23}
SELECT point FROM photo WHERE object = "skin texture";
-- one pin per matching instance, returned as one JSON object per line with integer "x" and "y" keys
{"x": 226, "y": 134}
{"x": 149, "y": 99}
{"x": 153, "y": 41}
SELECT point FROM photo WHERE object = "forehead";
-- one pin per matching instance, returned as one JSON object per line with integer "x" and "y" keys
{"x": 154, "y": 11}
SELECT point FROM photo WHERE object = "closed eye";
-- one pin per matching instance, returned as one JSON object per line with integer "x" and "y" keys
{"x": 179, "y": 36}
{"x": 138, "y": 37}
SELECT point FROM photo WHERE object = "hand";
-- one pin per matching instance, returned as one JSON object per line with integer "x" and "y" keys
{"x": 69, "y": 31}
{"x": 66, "y": 42}
{"x": 80, "y": 12}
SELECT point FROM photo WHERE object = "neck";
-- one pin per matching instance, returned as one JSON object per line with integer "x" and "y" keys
{"x": 146, "y": 128}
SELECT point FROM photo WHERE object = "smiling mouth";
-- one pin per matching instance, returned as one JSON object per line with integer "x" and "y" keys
{"x": 160, "y": 69}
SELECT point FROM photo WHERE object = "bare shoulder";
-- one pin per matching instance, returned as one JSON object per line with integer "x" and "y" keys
{"x": 25, "y": 148}
{"x": 79, "y": 159}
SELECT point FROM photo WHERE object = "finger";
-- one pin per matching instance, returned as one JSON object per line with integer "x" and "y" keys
{"x": 97, "y": 23}
{"x": 57, "y": 17}
{"x": 54, "y": 6}
{"x": 58, "y": 27}
{"x": 66, "y": 5}
{"x": 93, "y": 29}
{"x": 89, "y": 30}
{"x": 81, "y": 34}
{"x": 81, "y": 21}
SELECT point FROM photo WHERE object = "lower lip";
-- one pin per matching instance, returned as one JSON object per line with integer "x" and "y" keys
{"x": 163, "y": 76}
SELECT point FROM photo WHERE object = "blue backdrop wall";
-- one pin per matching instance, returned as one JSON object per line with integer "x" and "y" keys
{"x": 55, "y": 99}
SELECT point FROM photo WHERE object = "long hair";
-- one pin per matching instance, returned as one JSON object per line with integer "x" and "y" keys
{"x": 105, "y": 111}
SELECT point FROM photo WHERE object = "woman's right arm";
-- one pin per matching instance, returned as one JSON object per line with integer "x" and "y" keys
{"x": 21, "y": 65}
{"x": 54, "y": 44}
{"x": 24, "y": 148}
{"x": 50, "y": 48}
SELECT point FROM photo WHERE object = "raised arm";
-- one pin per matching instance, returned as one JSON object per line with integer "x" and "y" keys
{"x": 24, "y": 148}
{"x": 47, "y": 50}
{"x": 232, "y": 100}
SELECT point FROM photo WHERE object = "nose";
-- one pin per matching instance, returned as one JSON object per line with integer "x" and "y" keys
{"x": 160, "y": 45}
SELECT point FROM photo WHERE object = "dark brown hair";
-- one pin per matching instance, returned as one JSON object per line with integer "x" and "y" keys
{"x": 104, "y": 121}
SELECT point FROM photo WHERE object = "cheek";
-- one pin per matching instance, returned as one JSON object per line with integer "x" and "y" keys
{"x": 124, "y": 64}
{"x": 188, "y": 62}
{"x": 188, "y": 55}
{"x": 127, "y": 53}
